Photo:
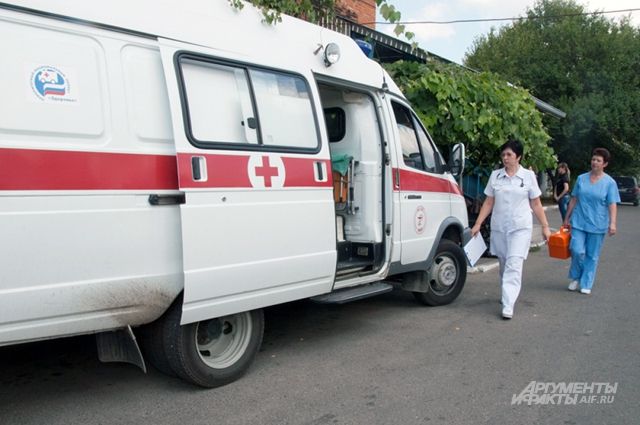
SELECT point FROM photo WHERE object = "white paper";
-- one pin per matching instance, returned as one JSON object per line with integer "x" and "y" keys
{"x": 475, "y": 248}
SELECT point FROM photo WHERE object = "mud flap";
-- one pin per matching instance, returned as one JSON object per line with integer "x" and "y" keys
{"x": 120, "y": 346}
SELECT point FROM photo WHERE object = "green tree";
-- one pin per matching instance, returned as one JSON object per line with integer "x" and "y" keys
{"x": 479, "y": 109}
{"x": 584, "y": 64}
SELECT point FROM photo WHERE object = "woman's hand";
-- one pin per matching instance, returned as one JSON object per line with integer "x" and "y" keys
{"x": 546, "y": 232}
{"x": 612, "y": 229}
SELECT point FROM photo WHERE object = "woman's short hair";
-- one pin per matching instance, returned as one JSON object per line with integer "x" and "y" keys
{"x": 604, "y": 153}
{"x": 514, "y": 145}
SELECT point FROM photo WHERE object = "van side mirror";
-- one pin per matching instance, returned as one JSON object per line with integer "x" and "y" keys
{"x": 456, "y": 160}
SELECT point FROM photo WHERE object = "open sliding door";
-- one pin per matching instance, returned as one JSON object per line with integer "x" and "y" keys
{"x": 258, "y": 220}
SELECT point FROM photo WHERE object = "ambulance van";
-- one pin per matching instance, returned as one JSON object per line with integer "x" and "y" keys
{"x": 169, "y": 169}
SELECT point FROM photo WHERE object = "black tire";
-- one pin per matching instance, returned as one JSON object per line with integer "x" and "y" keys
{"x": 635, "y": 203}
{"x": 213, "y": 352}
{"x": 446, "y": 276}
{"x": 151, "y": 339}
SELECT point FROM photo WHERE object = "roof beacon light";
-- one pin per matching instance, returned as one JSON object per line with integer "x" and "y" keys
{"x": 331, "y": 54}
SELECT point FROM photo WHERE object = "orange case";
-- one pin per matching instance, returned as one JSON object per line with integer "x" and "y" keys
{"x": 559, "y": 244}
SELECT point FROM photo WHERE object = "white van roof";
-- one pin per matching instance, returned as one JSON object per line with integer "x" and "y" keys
{"x": 214, "y": 24}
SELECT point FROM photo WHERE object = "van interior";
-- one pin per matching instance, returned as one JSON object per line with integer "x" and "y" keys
{"x": 356, "y": 157}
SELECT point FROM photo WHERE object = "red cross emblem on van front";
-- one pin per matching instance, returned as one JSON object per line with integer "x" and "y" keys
{"x": 266, "y": 171}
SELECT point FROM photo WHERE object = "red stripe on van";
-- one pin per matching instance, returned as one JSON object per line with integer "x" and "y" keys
{"x": 232, "y": 171}
{"x": 31, "y": 169}
{"x": 222, "y": 171}
{"x": 34, "y": 169}
{"x": 300, "y": 172}
{"x": 416, "y": 181}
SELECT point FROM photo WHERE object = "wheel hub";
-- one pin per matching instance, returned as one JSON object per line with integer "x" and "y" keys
{"x": 209, "y": 330}
{"x": 221, "y": 342}
{"x": 443, "y": 274}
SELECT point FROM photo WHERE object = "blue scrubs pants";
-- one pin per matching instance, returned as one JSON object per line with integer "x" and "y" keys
{"x": 585, "y": 252}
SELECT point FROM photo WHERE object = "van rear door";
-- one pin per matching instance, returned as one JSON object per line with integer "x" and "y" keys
{"x": 258, "y": 219}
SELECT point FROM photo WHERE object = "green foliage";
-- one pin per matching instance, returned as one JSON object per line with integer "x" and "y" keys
{"x": 272, "y": 10}
{"x": 315, "y": 10}
{"x": 586, "y": 65}
{"x": 479, "y": 109}
{"x": 392, "y": 15}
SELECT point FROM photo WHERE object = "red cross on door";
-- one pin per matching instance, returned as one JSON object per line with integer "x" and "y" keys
{"x": 266, "y": 171}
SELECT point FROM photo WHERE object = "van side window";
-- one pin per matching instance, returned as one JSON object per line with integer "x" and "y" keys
{"x": 428, "y": 151}
{"x": 231, "y": 104}
{"x": 219, "y": 103}
{"x": 408, "y": 139}
{"x": 284, "y": 108}
{"x": 417, "y": 149}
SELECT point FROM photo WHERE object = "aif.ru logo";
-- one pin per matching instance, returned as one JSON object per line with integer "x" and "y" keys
{"x": 48, "y": 82}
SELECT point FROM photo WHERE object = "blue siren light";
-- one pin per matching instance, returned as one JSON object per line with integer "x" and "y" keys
{"x": 366, "y": 47}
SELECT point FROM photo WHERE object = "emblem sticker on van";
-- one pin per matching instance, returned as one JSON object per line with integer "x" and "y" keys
{"x": 51, "y": 84}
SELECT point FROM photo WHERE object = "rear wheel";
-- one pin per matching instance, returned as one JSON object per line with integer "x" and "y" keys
{"x": 212, "y": 352}
{"x": 446, "y": 276}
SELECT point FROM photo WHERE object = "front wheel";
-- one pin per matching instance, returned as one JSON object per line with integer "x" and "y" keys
{"x": 446, "y": 276}
{"x": 213, "y": 352}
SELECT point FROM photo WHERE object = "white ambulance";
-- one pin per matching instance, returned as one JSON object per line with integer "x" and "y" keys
{"x": 168, "y": 169}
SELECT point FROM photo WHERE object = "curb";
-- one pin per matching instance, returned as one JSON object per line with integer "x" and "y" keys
{"x": 490, "y": 266}
{"x": 482, "y": 269}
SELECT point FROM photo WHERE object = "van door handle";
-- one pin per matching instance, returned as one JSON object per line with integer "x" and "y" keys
{"x": 199, "y": 168}
{"x": 195, "y": 168}
{"x": 319, "y": 170}
{"x": 155, "y": 199}
{"x": 414, "y": 197}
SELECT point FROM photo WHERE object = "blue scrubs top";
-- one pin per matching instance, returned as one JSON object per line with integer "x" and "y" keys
{"x": 591, "y": 212}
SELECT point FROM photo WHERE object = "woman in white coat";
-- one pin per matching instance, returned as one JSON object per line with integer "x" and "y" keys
{"x": 512, "y": 193}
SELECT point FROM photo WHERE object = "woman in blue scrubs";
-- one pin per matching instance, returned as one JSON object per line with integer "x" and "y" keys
{"x": 592, "y": 213}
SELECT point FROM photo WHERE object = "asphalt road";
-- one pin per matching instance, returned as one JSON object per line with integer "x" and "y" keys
{"x": 384, "y": 360}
